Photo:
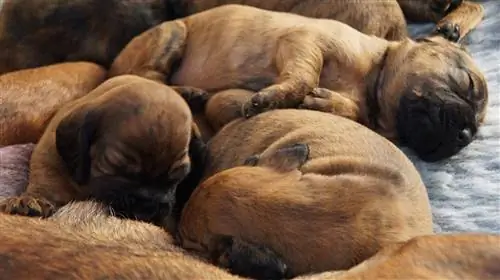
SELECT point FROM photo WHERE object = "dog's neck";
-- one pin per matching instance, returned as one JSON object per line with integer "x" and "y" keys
{"x": 377, "y": 118}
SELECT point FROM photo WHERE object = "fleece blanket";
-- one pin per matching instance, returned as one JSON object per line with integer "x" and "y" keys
{"x": 465, "y": 189}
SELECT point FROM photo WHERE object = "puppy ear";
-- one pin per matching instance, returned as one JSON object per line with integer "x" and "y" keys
{"x": 74, "y": 136}
{"x": 286, "y": 159}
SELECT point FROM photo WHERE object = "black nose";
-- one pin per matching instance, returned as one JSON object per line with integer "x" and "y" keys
{"x": 464, "y": 137}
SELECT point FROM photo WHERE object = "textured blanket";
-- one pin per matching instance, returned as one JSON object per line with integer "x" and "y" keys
{"x": 465, "y": 189}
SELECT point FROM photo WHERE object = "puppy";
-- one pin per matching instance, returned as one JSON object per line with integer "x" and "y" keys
{"x": 451, "y": 256}
{"x": 81, "y": 241}
{"x": 43, "y": 32}
{"x": 382, "y": 18}
{"x": 128, "y": 143}
{"x": 14, "y": 169}
{"x": 320, "y": 196}
{"x": 31, "y": 97}
{"x": 427, "y": 94}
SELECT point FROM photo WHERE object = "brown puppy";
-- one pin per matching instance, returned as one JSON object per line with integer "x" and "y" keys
{"x": 82, "y": 241}
{"x": 43, "y": 32}
{"x": 451, "y": 256}
{"x": 30, "y": 97}
{"x": 128, "y": 143}
{"x": 429, "y": 94}
{"x": 321, "y": 196}
{"x": 382, "y": 18}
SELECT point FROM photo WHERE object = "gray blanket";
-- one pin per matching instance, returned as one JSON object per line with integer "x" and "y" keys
{"x": 465, "y": 190}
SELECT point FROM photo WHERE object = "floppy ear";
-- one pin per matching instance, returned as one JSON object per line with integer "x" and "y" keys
{"x": 74, "y": 136}
{"x": 198, "y": 156}
{"x": 287, "y": 158}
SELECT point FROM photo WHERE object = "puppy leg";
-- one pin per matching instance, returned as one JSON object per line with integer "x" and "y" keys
{"x": 427, "y": 10}
{"x": 41, "y": 198}
{"x": 225, "y": 106}
{"x": 153, "y": 53}
{"x": 325, "y": 100}
{"x": 299, "y": 63}
{"x": 454, "y": 18}
{"x": 457, "y": 24}
{"x": 245, "y": 259}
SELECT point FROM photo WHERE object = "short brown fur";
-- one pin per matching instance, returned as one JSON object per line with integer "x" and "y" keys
{"x": 382, "y": 18}
{"x": 128, "y": 138}
{"x": 471, "y": 256}
{"x": 81, "y": 241}
{"x": 361, "y": 77}
{"x": 328, "y": 208}
{"x": 29, "y": 98}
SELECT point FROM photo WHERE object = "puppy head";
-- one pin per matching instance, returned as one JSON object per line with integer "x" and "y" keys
{"x": 218, "y": 195}
{"x": 440, "y": 96}
{"x": 129, "y": 148}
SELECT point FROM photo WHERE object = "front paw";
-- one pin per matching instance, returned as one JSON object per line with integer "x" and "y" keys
{"x": 260, "y": 102}
{"x": 449, "y": 31}
{"x": 319, "y": 99}
{"x": 248, "y": 260}
{"x": 26, "y": 205}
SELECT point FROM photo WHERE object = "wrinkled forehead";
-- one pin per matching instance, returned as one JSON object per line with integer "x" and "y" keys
{"x": 449, "y": 53}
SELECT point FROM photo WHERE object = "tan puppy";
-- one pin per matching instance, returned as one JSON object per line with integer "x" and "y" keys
{"x": 43, "y": 32}
{"x": 429, "y": 94}
{"x": 30, "y": 97}
{"x": 128, "y": 143}
{"x": 321, "y": 196}
{"x": 82, "y": 241}
{"x": 382, "y": 18}
{"x": 451, "y": 256}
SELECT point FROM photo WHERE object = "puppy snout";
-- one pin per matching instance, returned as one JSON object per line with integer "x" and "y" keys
{"x": 464, "y": 137}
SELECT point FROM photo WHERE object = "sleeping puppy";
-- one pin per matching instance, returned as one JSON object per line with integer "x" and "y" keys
{"x": 128, "y": 143}
{"x": 31, "y": 97}
{"x": 426, "y": 94}
{"x": 82, "y": 241}
{"x": 448, "y": 256}
{"x": 43, "y": 32}
{"x": 322, "y": 197}
{"x": 382, "y": 18}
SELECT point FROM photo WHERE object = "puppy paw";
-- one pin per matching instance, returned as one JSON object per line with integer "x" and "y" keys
{"x": 247, "y": 260}
{"x": 259, "y": 103}
{"x": 325, "y": 100}
{"x": 319, "y": 99}
{"x": 448, "y": 30}
{"x": 26, "y": 205}
{"x": 195, "y": 97}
